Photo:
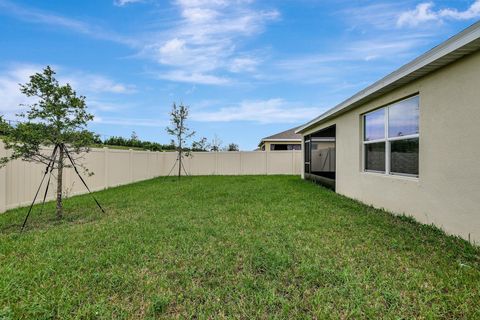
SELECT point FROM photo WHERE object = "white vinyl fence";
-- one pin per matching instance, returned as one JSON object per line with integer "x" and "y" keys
{"x": 19, "y": 180}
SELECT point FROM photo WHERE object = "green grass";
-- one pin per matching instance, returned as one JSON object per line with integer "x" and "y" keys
{"x": 232, "y": 247}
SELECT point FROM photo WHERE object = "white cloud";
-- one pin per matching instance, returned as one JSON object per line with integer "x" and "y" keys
{"x": 471, "y": 13}
{"x": 32, "y": 15}
{"x": 101, "y": 105}
{"x": 421, "y": 14}
{"x": 424, "y": 12}
{"x": 371, "y": 54}
{"x": 243, "y": 64}
{"x": 129, "y": 122}
{"x": 91, "y": 85}
{"x": 384, "y": 47}
{"x": 95, "y": 83}
{"x": 205, "y": 41}
{"x": 10, "y": 96}
{"x": 199, "y": 15}
{"x": 173, "y": 47}
{"x": 122, "y": 3}
{"x": 262, "y": 111}
{"x": 195, "y": 77}
{"x": 380, "y": 15}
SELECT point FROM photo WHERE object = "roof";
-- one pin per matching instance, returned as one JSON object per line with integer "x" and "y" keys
{"x": 463, "y": 43}
{"x": 287, "y": 135}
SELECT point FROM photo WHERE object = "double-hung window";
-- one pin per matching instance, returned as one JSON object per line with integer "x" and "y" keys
{"x": 391, "y": 138}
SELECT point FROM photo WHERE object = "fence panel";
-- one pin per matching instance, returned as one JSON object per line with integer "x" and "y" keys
{"x": 3, "y": 182}
{"x": 297, "y": 162}
{"x": 254, "y": 163}
{"x": 169, "y": 165}
{"x": 140, "y": 165}
{"x": 279, "y": 162}
{"x": 118, "y": 165}
{"x": 201, "y": 163}
{"x": 228, "y": 163}
{"x": 19, "y": 180}
{"x": 94, "y": 161}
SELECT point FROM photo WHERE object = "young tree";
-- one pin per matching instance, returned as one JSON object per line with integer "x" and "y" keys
{"x": 58, "y": 118}
{"x": 233, "y": 147}
{"x": 179, "y": 131}
{"x": 4, "y": 127}
{"x": 216, "y": 144}
{"x": 134, "y": 136}
{"x": 200, "y": 145}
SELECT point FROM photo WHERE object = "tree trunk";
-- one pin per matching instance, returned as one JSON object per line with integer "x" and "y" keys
{"x": 180, "y": 161}
{"x": 60, "y": 184}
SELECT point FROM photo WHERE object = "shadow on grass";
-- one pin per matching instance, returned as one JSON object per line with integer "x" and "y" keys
{"x": 81, "y": 209}
{"x": 75, "y": 212}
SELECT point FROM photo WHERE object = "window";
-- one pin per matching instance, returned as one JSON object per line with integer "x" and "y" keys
{"x": 375, "y": 157}
{"x": 322, "y": 157}
{"x": 375, "y": 130}
{"x": 404, "y": 156}
{"x": 307, "y": 154}
{"x": 391, "y": 138}
{"x": 294, "y": 147}
{"x": 283, "y": 147}
{"x": 278, "y": 147}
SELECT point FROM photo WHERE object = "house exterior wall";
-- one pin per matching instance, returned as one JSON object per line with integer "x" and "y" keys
{"x": 447, "y": 191}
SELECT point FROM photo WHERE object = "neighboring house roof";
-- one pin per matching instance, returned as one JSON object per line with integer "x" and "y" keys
{"x": 287, "y": 135}
{"x": 456, "y": 47}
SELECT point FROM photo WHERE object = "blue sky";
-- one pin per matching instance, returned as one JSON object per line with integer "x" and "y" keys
{"x": 246, "y": 68}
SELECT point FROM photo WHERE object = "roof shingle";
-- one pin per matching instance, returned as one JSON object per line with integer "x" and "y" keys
{"x": 287, "y": 135}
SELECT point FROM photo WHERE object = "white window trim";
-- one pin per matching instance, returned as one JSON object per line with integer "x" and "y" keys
{"x": 387, "y": 142}
{"x": 323, "y": 139}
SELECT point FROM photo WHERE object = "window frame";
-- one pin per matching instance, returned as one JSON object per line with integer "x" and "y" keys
{"x": 307, "y": 150}
{"x": 387, "y": 140}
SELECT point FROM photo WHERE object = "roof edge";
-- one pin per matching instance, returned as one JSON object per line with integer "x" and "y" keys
{"x": 263, "y": 140}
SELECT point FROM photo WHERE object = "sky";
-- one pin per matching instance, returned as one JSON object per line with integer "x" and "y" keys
{"x": 247, "y": 69}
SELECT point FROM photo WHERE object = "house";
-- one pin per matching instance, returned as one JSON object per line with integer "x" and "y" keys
{"x": 410, "y": 142}
{"x": 286, "y": 140}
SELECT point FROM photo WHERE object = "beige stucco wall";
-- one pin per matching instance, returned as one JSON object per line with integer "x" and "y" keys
{"x": 447, "y": 192}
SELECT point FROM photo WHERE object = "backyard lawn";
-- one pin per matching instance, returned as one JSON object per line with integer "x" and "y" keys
{"x": 231, "y": 247}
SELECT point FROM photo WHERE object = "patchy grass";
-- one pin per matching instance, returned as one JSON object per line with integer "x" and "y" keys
{"x": 231, "y": 247}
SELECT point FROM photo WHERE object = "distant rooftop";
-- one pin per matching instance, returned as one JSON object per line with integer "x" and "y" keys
{"x": 287, "y": 135}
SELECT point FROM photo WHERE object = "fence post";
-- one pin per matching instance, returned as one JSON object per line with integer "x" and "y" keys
{"x": 3, "y": 189}
{"x": 240, "y": 172}
{"x": 105, "y": 164}
{"x": 266, "y": 162}
{"x": 293, "y": 161}
{"x": 160, "y": 163}
{"x": 131, "y": 164}
{"x": 3, "y": 182}
{"x": 148, "y": 167}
